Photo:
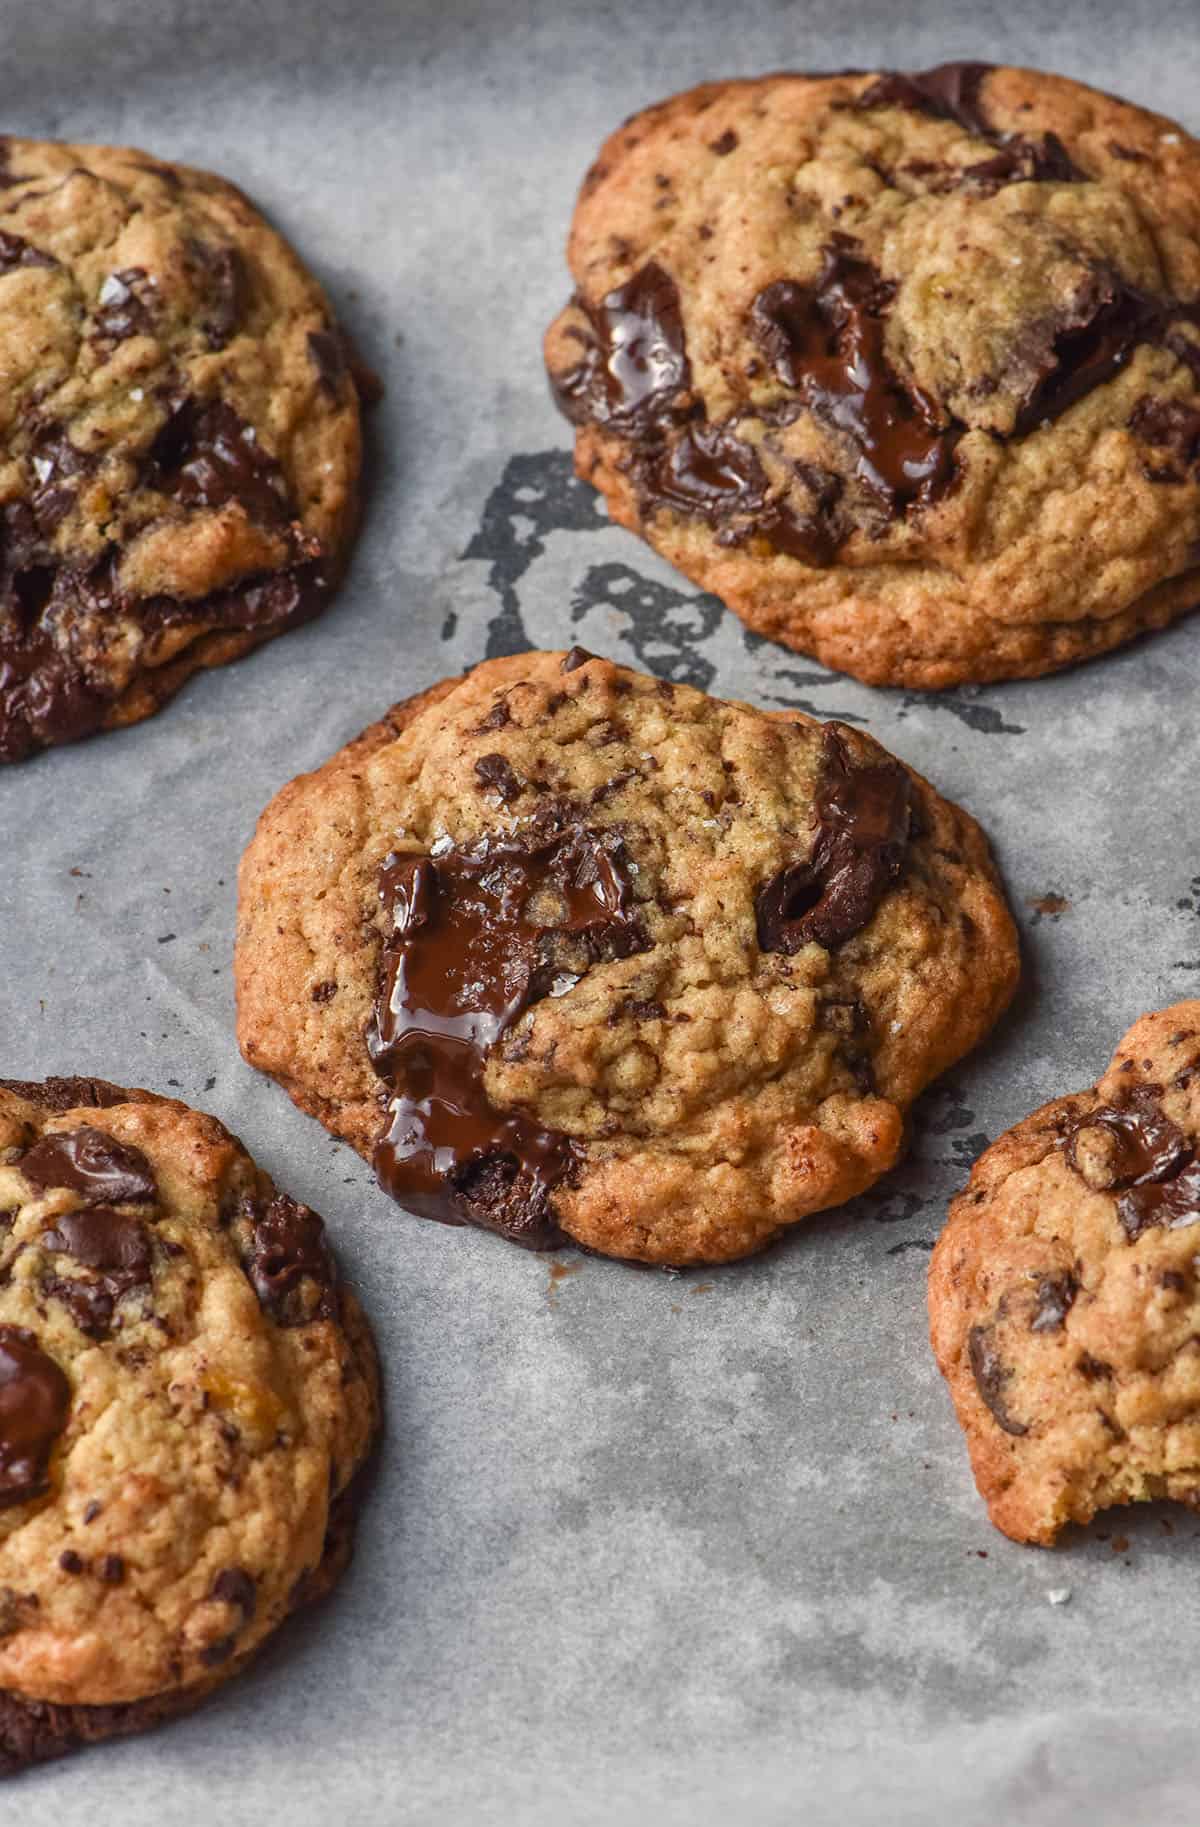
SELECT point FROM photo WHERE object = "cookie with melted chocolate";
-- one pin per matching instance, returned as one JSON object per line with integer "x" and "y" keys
{"x": 186, "y": 1393}
{"x": 179, "y": 429}
{"x": 905, "y": 367}
{"x": 574, "y": 954}
{"x": 1064, "y": 1296}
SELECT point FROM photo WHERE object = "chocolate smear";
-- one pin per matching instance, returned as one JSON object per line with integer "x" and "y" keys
{"x": 827, "y": 342}
{"x": 477, "y": 935}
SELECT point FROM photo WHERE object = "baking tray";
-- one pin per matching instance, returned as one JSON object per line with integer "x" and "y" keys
{"x": 683, "y": 1549}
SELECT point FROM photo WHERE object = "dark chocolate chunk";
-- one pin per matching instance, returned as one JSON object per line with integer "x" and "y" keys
{"x": 91, "y": 1162}
{"x": 287, "y": 1259}
{"x": 234, "y": 1586}
{"x": 863, "y": 828}
{"x": 1169, "y": 424}
{"x": 329, "y": 360}
{"x": 725, "y": 145}
{"x": 495, "y": 775}
{"x": 115, "y": 1246}
{"x": 1055, "y": 1295}
{"x": 70, "y": 1562}
{"x": 14, "y": 253}
{"x": 572, "y": 661}
{"x": 1087, "y": 345}
{"x": 1146, "y": 1146}
{"x": 634, "y": 364}
{"x": 127, "y": 305}
{"x": 952, "y": 92}
{"x": 111, "y": 1569}
{"x": 35, "y": 1399}
{"x": 1172, "y": 1202}
{"x": 222, "y": 280}
{"x": 206, "y": 455}
{"x": 476, "y": 937}
{"x": 991, "y": 1374}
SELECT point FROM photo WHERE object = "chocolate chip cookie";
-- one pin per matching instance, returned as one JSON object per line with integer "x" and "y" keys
{"x": 1064, "y": 1296}
{"x": 179, "y": 436}
{"x": 576, "y": 954}
{"x": 186, "y": 1392}
{"x": 905, "y": 368}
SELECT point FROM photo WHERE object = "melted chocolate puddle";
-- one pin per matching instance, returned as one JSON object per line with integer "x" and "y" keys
{"x": 864, "y": 817}
{"x": 479, "y": 935}
{"x": 827, "y": 342}
{"x": 636, "y": 363}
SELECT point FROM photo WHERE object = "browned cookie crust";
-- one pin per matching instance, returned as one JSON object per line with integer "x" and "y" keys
{"x": 186, "y": 1395}
{"x": 576, "y": 954}
{"x": 1063, "y": 1294}
{"x": 179, "y": 436}
{"x": 905, "y": 368}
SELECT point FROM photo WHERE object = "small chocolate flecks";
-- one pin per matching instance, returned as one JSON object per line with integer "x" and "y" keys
{"x": 92, "y": 1510}
{"x": 91, "y": 1162}
{"x": 1092, "y": 1370}
{"x": 991, "y": 1375}
{"x": 495, "y": 775}
{"x": 111, "y": 1569}
{"x": 35, "y": 1399}
{"x": 325, "y": 991}
{"x": 863, "y": 828}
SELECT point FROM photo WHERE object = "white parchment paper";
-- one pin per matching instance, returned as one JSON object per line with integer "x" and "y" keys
{"x": 685, "y": 1550}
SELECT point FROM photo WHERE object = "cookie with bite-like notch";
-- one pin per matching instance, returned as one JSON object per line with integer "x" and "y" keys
{"x": 1064, "y": 1299}
{"x": 904, "y": 367}
{"x": 575, "y": 954}
{"x": 186, "y": 1393}
{"x": 180, "y": 441}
